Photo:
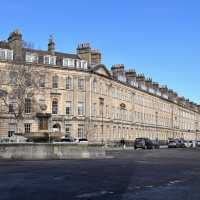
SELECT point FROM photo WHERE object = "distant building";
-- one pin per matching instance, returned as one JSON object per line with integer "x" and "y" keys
{"x": 84, "y": 99}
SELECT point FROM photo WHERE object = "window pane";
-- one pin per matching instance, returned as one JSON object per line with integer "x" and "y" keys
{"x": 68, "y": 83}
{"x": 27, "y": 106}
{"x": 80, "y": 84}
{"x": 55, "y": 82}
{"x": 55, "y": 107}
{"x": 80, "y": 108}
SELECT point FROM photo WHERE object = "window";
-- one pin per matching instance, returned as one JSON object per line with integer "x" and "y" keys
{"x": 28, "y": 79}
{"x": 9, "y": 55}
{"x": 83, "y": 64}
{"x": 50, "y": 60}
{"x": 68, "y": 108}
{"x": 11, "y": 133}
{"x": 68, "y": 62}
{"x": 55, "y": 106}
{"x": 56, "y": 128}
{"x": 55, "y": 81}
{"x": 6, "y": 54}
{"x": 43, "y": 123}
{"x": 80, "y": 84}
{"x": 80, "y": 108}
{"x": 2, "y": 54}
{"x": 31, "y": 57}
{"x": 94, "y": 110}
{"x": 68, "y": 128}
{"x": 12, "y": 129}
{"x": 65, "y": 62}
{"x": 27, "y": 107}
{"x": 71, "y": 63}
{"x": 107, "y": 111}
{"x": 94, "y": 85}
{"x": 13, "y": 77}
{"x": 27, "y": 128}
{"x": 68, "y": 83}
{"x": 42, "y": 81}
{"x": 10, "y": 108}
{"x": 81, "y": 133}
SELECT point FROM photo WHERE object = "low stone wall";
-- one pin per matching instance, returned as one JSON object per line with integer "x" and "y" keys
{"x": 50, "y": 151}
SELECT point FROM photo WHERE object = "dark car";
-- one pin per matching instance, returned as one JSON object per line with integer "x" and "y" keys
{"x": 67, "y": 140}
{"x": 176, "y": 143}
{"x": 83, "y": 140}
{"x": 145, "y": 143}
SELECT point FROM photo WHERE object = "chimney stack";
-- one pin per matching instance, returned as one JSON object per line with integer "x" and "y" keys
{"x": 155, "y": 86}
{"x": 92, "y": 56}
{"x": 51, "y": 45}
{"x": 117, "y": 70}
{"x": 148, "y": 82}
{"x": 15, "y": 43}
{"x": 130, "y": 76}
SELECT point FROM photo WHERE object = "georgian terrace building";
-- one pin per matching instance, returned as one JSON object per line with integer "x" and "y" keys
{"x": 80, "y": 97}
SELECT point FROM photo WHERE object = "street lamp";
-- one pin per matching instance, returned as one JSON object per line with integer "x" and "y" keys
{"x": 157, "y": 125}
{"x": 122, "y": 109}
{"x": 3, "y": 93}
{"x": 101, "y": 102}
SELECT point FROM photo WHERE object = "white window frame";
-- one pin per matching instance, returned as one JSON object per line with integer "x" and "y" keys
{"x": 68, "y": 105}
{"x": 6, "y": 54}
{"x": 51, "y": 60}
{"x": 31, "y": 57}
{"x": 80, "y": 108}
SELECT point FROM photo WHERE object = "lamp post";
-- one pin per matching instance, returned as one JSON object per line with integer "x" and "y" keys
{"x": 196, "y": 130}
{"x": 101, "y": 102}
{"x": 3, "y": 93}
{"x": 157, "y": 125}
{"x": 122, "y": 110}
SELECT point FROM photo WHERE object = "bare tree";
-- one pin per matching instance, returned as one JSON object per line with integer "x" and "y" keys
{"x": 22, "y": 83}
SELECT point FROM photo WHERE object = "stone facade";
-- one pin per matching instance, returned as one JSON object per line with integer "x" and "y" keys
{"x": 80, "y": 97}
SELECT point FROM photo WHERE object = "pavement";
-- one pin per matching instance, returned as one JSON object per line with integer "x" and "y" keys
{"x": 158, "y": 174}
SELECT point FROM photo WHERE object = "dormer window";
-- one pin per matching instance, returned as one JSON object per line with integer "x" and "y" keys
{"x": 49, "y": 60}
{"x": 31, "y": 57}
{"x": 68, "y": 62}
{"x": 65, "y": 62}
{"x": 83, "y": 64}
{"x": 6, "y": 54}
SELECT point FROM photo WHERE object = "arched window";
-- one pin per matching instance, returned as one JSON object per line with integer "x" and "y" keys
{"x": 68, "y": 83}
{"x": 55, "y": 106}
{"x": 56, "y": 127}
{"x": 94, "y": 85}
{"x": 55, "y": 81}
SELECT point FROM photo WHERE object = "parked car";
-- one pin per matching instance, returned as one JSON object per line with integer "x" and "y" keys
{"x": 145, "y": 143}
{"x": 176, "y": 143}
{"x": 68, "y": 139}
{"x": 198, "y": 143}
{"x": 83, "y": 140}
{"x": 188, "y": 144}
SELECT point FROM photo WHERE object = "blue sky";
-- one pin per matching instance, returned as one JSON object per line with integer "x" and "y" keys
{"x": 160, "y": 38}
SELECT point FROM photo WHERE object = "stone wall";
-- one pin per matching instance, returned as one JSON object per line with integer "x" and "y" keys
{"x": 50, "y": 151}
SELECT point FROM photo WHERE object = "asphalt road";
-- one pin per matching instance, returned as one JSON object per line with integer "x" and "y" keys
{"x": 142, "y": 174}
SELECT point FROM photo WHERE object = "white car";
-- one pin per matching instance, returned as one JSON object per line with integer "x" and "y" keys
{"x": 188, "y": 143}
